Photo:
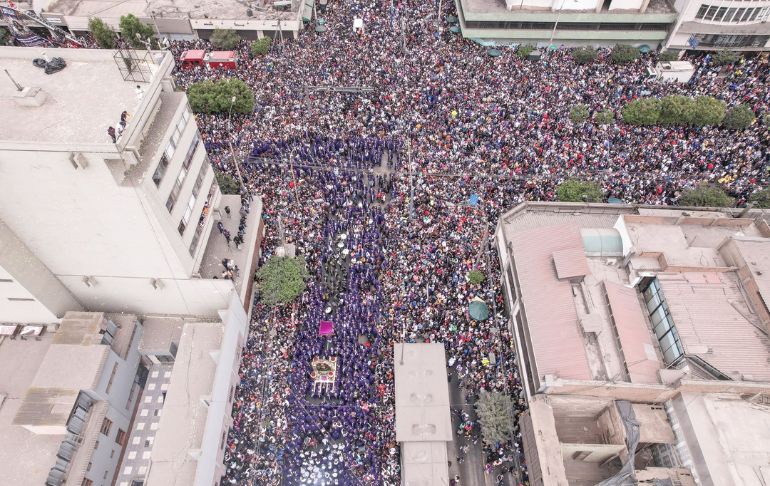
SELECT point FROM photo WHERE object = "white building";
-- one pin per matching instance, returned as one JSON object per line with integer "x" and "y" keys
{"x": 91, "y": 224}
{"x": 709, "y": 25}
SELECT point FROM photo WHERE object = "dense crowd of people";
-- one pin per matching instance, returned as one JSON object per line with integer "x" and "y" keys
{"x": 390, "y": 196}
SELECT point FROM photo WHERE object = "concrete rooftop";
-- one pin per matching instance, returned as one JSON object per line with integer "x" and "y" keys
{"x": 83, "y": 99}
{"x": 200, "y": 9}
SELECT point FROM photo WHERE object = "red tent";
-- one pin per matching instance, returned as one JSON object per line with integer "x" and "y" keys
{"x": 192, "y": 58}
{"x": 222, "y": 59}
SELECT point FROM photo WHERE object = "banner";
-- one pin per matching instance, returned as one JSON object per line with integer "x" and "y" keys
{"x": 20, "y": 32}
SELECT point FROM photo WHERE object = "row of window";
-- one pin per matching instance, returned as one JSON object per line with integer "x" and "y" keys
{"x": 712, "y": 13}
{"x": 193, "y": 197}
{"x": 168, "y": 152}
{"x": 473, "y": 24}
{"x": 171, "y": 201}
{"x": 725, "y": 40}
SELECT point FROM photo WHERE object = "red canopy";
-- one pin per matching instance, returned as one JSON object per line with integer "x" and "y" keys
{"x": 194, "y": 55}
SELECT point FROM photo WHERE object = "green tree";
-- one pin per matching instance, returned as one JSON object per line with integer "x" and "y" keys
{"x": 645, "y": 111}
{"x": 226, "y": 183}
{"x": 668, "y": 56}
{"x": 216, "y": 96}
{"x": 573, "y": 190}
{"x": 476, "y": 277}
{"x": 722, "y": 58}
{"x": 674, "y": 109}
{"x": 281, "y": 280}
{"x": 624, "y": 54}
{"x": 584, "y": 55}
{"x": 225, "y": 39}
{"x": 706, "y": 195}
{"x": 761, "y": 198}
{"x": 524, "y": 50}
{"x": 604, "y": 117}
{"x": 578, "y": 113}
{"x": 495, "y": 411}
{"x": 739, "y": 117}
{"x": 261, "y": 47}
{"x": 130, "y": 26}
{"x": 5, "y": 37}
{"x": 103, "y": 33}
{"x": 705, "y": 110}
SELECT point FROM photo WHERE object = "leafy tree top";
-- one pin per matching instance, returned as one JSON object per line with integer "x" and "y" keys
{"x": 573, "y": 190}
{"x": 706, "y": 195}
{"x": 495, "y": 411}
{"x": 225, "y": 39}
{"x": 130, "y": 25}
{"x": 282, "y": 279}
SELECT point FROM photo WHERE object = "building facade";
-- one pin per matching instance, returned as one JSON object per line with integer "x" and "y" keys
{"x": 704, "y": 25}
{"x": 95, "y": 223}
{"x": 568, "y": 22}
{"x": 642, "y": 321}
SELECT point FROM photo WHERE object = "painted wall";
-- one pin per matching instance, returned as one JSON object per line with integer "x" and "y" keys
{"x": 626, "y": 4}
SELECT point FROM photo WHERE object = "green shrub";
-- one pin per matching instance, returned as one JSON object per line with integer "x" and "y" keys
{"x": 103, "y": 33}
{"x": 495, "y": 412}
{"x": 761, "y": 198}
{"x": 722, "y": 58}
{"x": 261, "y": 47}
{"x": 281, "y": 280}
{"x": 476, "y": 277}
{"x": 225, "y": 39}
{"x": 668, "y": 56}
{"x": 624, "y": 54}
{"x": 216, "y": 97}
{"x": 573, "y": 190}
{"x": 130, "y": 26}
{"x": 705, "y": 110}
{"x": 604, "y": 117}
{"x": 226, "y": 183}
{"x": 525, "y": 50}
{"x": 584, "y": 55}
{"x": 645, "y": 111}
{"x": 578, "y": 113}
{"x": 739, "y": 117}
{"x": 706, "y": 195}
{"x": 674, "y": 110}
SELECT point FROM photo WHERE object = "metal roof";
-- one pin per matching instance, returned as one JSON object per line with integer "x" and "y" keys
{"x": 570, "y": 263}
{"x": 552, "y": 320}
{"x": 633, "y": 333}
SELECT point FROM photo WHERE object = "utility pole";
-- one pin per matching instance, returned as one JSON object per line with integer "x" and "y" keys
{"x": 403, "y": 35}
{"x": 411, "y": 182}
{"x": 230, "y": 142}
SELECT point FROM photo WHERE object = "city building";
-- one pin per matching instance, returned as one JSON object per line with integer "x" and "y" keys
{"x": 739, "y": 26}
{"x": 658, "y": 315}
{"x": 176, "y": 20}
{"x": 567, "y": 22}
{"x": 66, "y": 399}
{"x": 108, "y": 198}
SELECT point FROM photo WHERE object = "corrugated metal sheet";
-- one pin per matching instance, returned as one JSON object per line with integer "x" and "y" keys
{"x": 708, "y": 314}
{"x": 570, "y": 263}
{"x": 633, "y": 333}
{"x": 552, "y": 319}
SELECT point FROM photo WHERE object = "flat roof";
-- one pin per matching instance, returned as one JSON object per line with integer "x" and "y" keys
{"x": 202, "y": 9}
{"x": 82, "y": 100}
{"x": 180, "y": 430}
{"x": 422, "y": 393}
{"x": 26, "y": 457}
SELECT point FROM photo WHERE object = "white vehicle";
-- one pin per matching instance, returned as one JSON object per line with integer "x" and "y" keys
{"x": 678, "y": 71}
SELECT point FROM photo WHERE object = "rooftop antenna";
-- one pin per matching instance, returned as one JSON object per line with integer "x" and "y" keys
{"x": 18, "y": 86}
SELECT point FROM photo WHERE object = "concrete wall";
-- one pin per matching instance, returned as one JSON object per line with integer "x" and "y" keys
{"x": 23, "y": 276}
{"x": 210, "y": 467}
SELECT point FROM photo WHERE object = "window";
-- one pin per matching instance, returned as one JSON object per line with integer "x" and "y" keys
{"x": 20, "y": 299}
{"x": 106, "y": 425}
{"x": 201, "y": 175}
{"x": 172, "y": 198}
{"x": 120, "y": 439}
{"x": 662, "y": 323}
{"x": 87, "y": 482}
{"x": 701, "y": 12}
{"x": 157, "y": 177}
{"x": 187, "y": 213}
{"x": 112, "y": 377}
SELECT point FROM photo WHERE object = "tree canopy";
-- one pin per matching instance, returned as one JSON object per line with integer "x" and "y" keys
{"x": 706, "y": 110}
{"x": 495, "y": 411}
{"x": 281, "y": 280}
{"x": 761, "y": 198}
{"x": 573, "y": 190}
{"x": 584, "y": 55}
{"x": 722, "y": 58}
{"x": 261, "y": 47}
{"x": 130, "y": 26}
{"x": 604, "y": 117}
{"x": 226, "y": 183}
{"x": 668, "y": 56}
{"x": 739, "y": 117}
{"x": 524, "y": 50}
{"x": 225, "y": 39}
{"x": 103, "y": 33}
{"x": 644, "y": 111}
{"x": 624, "y": 54}
{"x": 476, "y": 277}
{"x": 675, "y": 110}
{"x": 216, "y": 96}
{"x": 706, "y": 195}
{"x": 578, "y": 113}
